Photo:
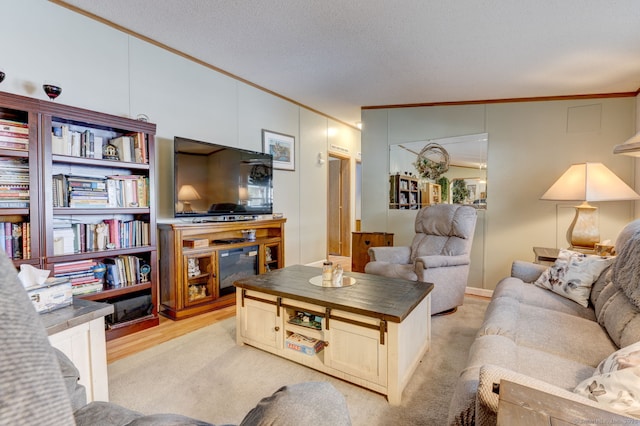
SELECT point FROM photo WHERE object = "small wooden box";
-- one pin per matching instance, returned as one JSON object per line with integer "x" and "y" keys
{"x": 195, "y": 242}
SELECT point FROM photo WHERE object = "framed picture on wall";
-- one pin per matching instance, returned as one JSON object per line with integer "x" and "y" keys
{"x": 282, "y": 147}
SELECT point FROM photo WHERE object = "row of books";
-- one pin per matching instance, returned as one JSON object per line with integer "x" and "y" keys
{"x": 108, "y": 234}
{"x": 15, "y": 239}
{"x": 118, "y": 191}
{"x": 82, "y": 274}
{"x": 14, "y": 135}
{"x": 126, "y": 270}
{"x": 14, "y": 182}
{"x": 131, "y": 148}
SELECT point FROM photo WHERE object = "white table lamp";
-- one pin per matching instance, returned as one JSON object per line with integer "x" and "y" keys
{"x": 187, "y": 194}
{"x": 588, "y": 182}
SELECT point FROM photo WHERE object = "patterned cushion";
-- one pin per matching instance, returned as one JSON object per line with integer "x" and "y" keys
{"x": 573, "y": 274}
{"x": 616, "y": 382}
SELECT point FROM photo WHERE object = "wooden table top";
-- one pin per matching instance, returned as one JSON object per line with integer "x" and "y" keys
{"x": 375, "y": 296}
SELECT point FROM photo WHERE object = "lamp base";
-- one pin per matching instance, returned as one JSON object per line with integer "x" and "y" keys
{"x": 186, "y": 207}
{"x": 583, "y": 232}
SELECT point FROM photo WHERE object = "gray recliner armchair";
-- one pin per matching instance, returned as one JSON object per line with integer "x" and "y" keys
{"x": 439, "y": 254}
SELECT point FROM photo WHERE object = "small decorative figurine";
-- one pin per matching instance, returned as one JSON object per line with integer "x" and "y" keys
{"x": 145, "y": 270}
{"x": 193, "y": 268}
{"x": 101, "y": 235}
{"x": 110, "y": 152}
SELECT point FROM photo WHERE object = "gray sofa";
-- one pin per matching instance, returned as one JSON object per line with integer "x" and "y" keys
{"x": 39, "y": 385}
{"x": 538, "y": 338}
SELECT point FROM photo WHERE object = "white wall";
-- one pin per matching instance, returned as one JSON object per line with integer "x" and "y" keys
{"x": 530, "y": 145}
{"x": 103, "y": 69}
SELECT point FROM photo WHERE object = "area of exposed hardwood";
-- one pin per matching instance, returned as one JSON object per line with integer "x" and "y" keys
{"x": 167, "y": 330}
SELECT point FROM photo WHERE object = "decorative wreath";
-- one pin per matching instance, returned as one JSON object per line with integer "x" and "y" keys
{"x": 260, "y": 173}
{"x": 432, "y": 161}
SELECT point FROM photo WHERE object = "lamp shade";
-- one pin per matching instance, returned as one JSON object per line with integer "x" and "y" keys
{"x": 589, "y": 182}
{"x": 630, "y": 147}
{"x": 188, "y": 193}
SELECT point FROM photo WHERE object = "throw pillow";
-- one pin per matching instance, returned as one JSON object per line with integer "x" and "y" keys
{"x": 616, "y": 382}
{"x": 573, "y": 274}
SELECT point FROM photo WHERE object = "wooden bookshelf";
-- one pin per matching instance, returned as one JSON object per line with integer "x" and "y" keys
{"x": 44, "y": 120}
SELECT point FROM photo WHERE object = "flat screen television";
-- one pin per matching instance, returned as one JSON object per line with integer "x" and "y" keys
{"x": 218, "y": 180}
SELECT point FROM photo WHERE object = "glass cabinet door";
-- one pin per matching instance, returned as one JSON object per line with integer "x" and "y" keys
{"x": 199, "y": 270}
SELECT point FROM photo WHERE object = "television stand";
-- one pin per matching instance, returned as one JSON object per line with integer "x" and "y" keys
{"x": 190, "y": 274}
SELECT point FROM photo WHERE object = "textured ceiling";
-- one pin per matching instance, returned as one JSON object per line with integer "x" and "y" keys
{"x": 337, "y": 55}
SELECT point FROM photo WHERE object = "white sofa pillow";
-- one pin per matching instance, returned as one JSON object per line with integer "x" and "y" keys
{"x": 616, "y": 382}
{"x": 573, "y": 274}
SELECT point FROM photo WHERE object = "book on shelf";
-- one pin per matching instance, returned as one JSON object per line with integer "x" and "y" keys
{"x": 113, "y": 234}
{"x": 12, "y": 134}
{"x": 94, "y": 286}
{"x": 14, "y": 204}
{"x": 140, "y": 147}
{"x": 125, "y": 147}
{"x": 98, "y": 144}
{"x": 74, "y": 143}
{"x": 73, "y": 266}
{"x": 80, "y": 274}
{"x": 117, "y": 191}
{"x": 128, "y": 190}
{"x": 123, "y": 270}
{"x": 14, "y": 237}
{"x": 16, "y": 146}
{"x": 63, "y": 240}
{"x": 12, "y": 137}
{"x": 14, "y": 163}
{"x": 14, "y": 126}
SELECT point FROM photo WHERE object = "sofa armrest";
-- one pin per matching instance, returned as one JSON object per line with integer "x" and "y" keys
{"x": 400, "y": 255}
{"x": 308, "y": 403}
{"x": 70, "y": 375}
{"x": 487, "y": 397}
{"x": 439, "y": 261}
{"x": 527, "y": 271}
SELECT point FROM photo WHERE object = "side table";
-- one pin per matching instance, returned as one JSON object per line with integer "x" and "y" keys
{"x": 545, "y": 255}
{"x": 360, "y": 243}
{"x": 78, "y": 332}
{"x": 522, "y": 405}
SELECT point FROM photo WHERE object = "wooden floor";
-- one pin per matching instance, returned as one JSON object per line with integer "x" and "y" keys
{"x": 167, "y": 330}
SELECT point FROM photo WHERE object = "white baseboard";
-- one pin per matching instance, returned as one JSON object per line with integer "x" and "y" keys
{"x": 484, "y": 292}
{"x": 317, "y": 263}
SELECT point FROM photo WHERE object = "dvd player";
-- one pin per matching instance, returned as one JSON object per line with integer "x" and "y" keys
{"x": 229, "y": 240}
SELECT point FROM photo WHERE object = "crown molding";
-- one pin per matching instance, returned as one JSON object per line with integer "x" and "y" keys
{"x": 508, "y": 100}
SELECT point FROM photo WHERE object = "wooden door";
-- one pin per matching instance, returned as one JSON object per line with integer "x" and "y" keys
{"x": 339, "y": 209}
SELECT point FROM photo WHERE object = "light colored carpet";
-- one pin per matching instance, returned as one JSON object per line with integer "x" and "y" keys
{"x": 205, "y": 375}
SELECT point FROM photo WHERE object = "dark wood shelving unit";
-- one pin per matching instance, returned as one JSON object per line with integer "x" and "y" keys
{"x": 43, "y": 164}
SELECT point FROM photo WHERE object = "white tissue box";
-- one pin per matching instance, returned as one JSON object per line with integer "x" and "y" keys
{"x": 53, "y": 294}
